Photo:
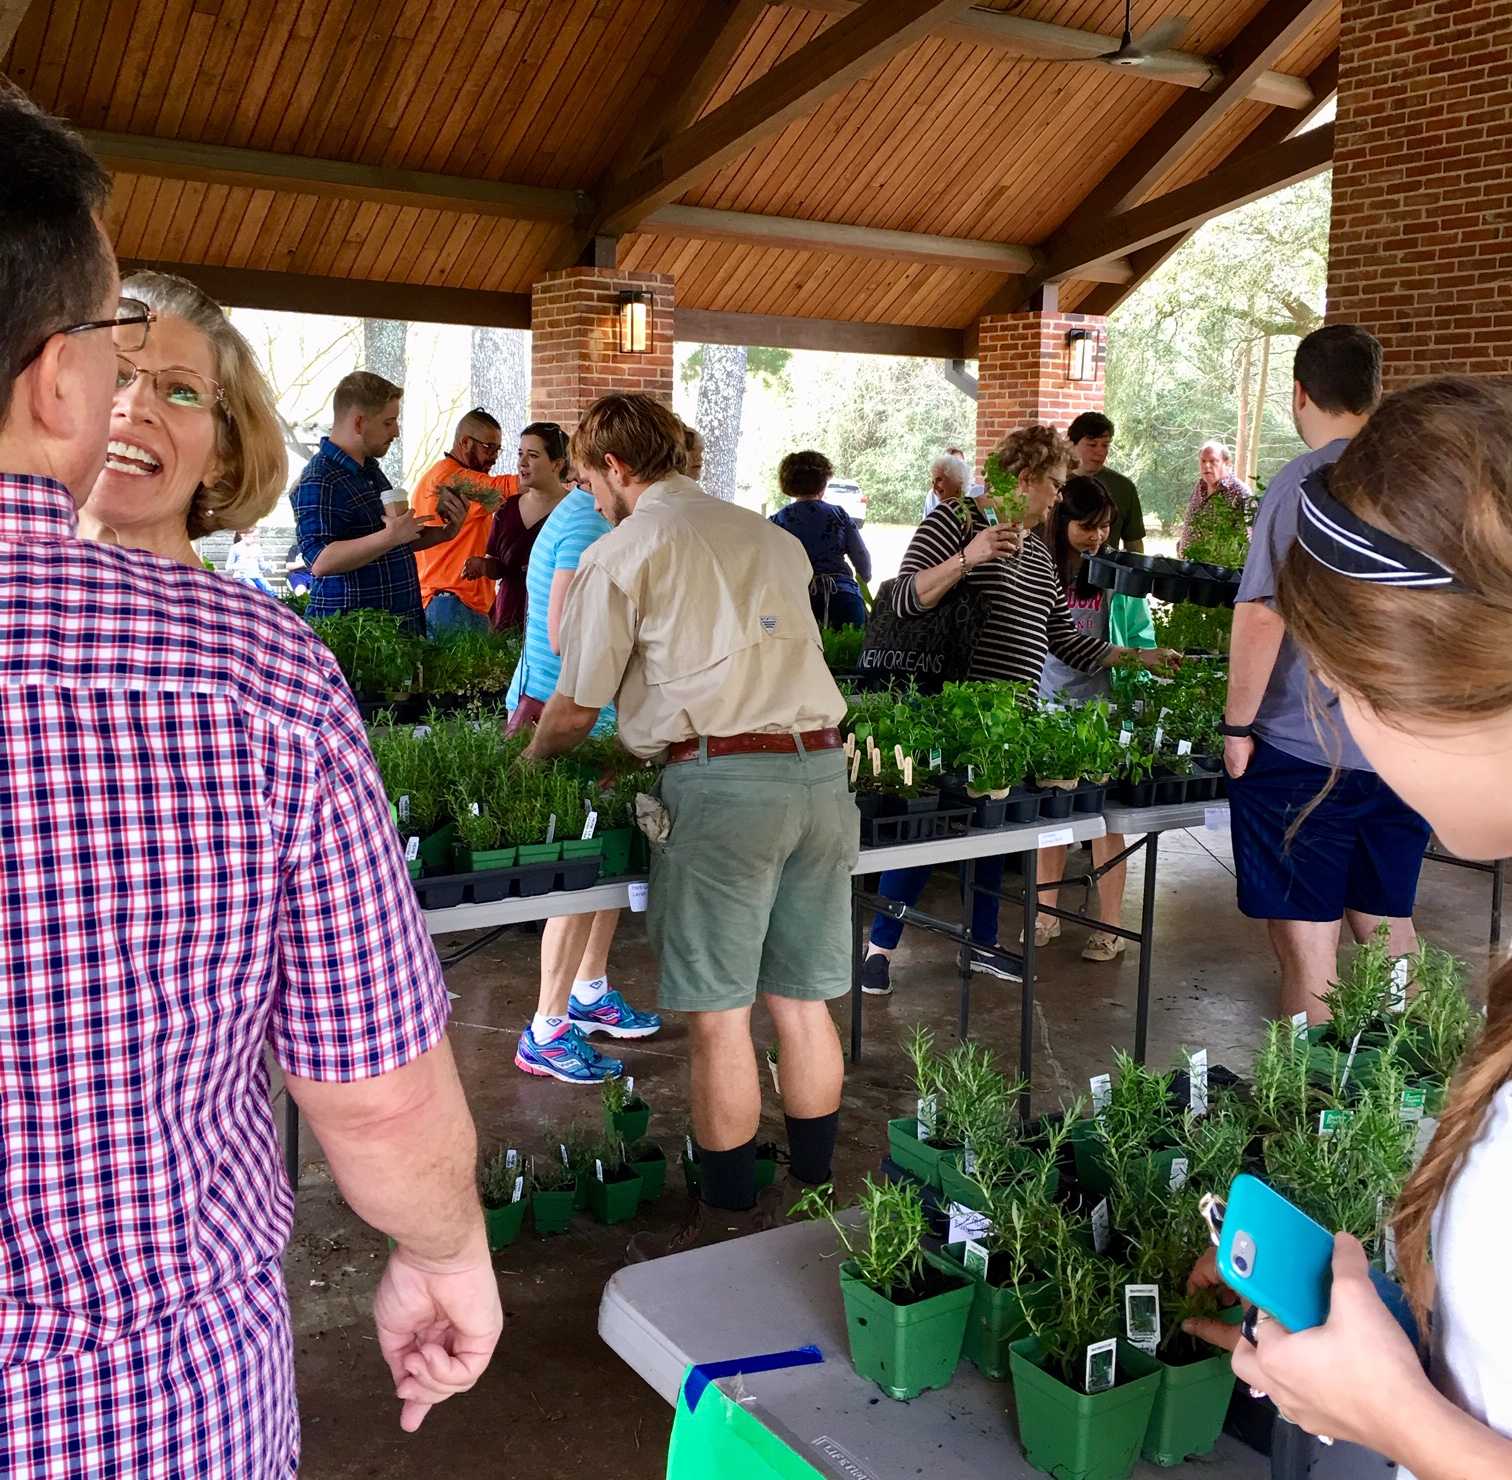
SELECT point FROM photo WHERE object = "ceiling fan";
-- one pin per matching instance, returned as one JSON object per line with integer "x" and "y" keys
{"x": 1162, "y": 37}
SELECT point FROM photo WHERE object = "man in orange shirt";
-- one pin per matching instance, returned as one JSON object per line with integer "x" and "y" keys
{"x": 449, "y": 599}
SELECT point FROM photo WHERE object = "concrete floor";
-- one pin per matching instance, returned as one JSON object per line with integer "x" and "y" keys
{"x": 555, "y": 1402}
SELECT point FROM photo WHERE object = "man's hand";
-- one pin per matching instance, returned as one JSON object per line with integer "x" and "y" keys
{"x": 452, "y": 508}
{"x": 1237, "y": 754}
{"x": 475, "y": 568}
{"x": 437, "y": 1327}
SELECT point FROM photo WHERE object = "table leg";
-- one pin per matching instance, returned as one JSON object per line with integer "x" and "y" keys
{"x": 291, "y": 1139}
{"x": 866, "y": 884}
{"x": 1498, "y": 890}
{"x": 1146, "y": 948}
{"x": 1030, "y": 865}
{"x": 963, "y": 961}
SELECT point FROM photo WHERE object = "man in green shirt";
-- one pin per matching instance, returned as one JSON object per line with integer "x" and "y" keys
{"x": 1091, "y": 434}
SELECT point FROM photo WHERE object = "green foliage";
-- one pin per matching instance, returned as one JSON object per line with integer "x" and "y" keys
{"x": 463, "y": 661}
{"x": 296, "y": 601}
{"x": 1440, "y": 1017}
{"x": 1280, "y": 1077}
{"x": 1219, "y": 535}
{"x": 548, "y": 1173}
{"x": 1361, "y": 999}
{"x": 1004, "y": 488}
{"x": 616, "y": 1098}
{"x": 1190, "y": 628}
{"x": 1089, "y": 1309}
{"x": 373, "y": 649}
{"x": 496, "y": 1179}
{"x": 842, "y": 648}
{"x": 409, "y": 779}
{"x": 890, "y": 1255}
{"x": 763, "y": 364}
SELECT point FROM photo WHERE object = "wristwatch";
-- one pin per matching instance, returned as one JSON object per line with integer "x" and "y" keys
{"x": 1237, "y": 732}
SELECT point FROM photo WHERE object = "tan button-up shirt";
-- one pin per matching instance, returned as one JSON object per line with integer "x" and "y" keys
{"x": 692, "y": 617}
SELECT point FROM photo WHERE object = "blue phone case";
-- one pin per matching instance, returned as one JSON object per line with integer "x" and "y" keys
{"x": 1291, "y": 1270}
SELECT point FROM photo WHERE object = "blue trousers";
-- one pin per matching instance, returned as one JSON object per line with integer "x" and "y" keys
{"x": 446, "y": 610}
{"x": 846, "y": 609}
{"x": 906, "y": 885}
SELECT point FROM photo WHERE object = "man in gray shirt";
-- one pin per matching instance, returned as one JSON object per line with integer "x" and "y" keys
{"x": 1357, "y": 853}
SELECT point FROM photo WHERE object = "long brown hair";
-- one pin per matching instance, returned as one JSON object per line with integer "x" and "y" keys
{"x": 1433, "y": 467}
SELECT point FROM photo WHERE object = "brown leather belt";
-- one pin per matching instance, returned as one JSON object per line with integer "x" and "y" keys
{"x": 778, "y": 742}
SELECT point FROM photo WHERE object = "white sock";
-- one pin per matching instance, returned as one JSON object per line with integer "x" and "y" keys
{"x": 590, "y": 992}
{"x": 544, "y": 1028}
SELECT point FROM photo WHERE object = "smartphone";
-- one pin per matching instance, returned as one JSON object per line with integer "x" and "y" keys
{"x": 1274, "y": 1256}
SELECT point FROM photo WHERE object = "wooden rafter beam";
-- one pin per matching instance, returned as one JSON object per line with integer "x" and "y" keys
{"x": 855, "y": 241}
{"x": 173, "y": 159}
{"x": 1280, "y": 125}
{"x": 292, "y": 292}
{"x": 1188, "y": 121}
{"x": 772, "y": 331}
{"x": 1037, "y": 39}
{"x": 12, "y": 13}
{"x": 839, "y": 55}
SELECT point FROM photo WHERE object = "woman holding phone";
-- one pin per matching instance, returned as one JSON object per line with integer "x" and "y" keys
{"x": 1400, "y": 591}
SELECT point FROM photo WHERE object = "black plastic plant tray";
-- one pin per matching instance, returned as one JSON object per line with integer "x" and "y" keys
{"x": 527, "y": 881}
{"x": 914, "y": 827}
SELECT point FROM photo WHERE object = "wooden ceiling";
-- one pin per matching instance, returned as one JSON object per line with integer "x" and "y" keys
{"x": 381, "y": 156}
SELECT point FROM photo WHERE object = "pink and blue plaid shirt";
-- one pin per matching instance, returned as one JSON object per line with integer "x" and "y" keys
{"x": 197, "y": 860}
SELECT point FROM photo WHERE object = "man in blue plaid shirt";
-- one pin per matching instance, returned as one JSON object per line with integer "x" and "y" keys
{"x": 359, "y": 552}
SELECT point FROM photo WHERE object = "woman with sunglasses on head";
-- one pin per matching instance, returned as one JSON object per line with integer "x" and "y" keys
{"x": 1399, "y": 590}
{"x": 195, "y": 443}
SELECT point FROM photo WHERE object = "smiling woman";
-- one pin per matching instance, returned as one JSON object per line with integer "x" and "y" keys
{"x": 195, "y": 444}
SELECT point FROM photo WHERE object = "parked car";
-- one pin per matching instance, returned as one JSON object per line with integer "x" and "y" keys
{"x": 849, "y": 497}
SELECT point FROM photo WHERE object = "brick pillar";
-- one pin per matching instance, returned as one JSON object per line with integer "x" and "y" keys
{"x": 1021, "y": 374}
{"x": 574, "y": 347}
{"x": 1422, "y": 184}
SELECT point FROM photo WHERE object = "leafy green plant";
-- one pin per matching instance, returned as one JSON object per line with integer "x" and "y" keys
{"x": 410, "y": 779}
{"x": 1361, "y": 999}
{"x": 1440, "y": 1015}
{"x": 617, "y": 1097}
{"x": 463, "y": 660}
{"x": 842, "y": 648}
{"x": 549, "y": 1173}
{"x": 1003, "y": 487}
{"x": 373, "y": 649}
{"x": 890, "y": 1254}
{"x": 296, "y": 601}
{"x": 1219, "y": 535}
{"x": 496, "y": 1179}
{"x": 473, "y": 491}
{"x": 1280, "y": 1077}
{"x": 1088, "y": 1310}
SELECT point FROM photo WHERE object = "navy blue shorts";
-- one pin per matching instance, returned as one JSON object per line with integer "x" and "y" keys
{"x": 1360, "y": 849}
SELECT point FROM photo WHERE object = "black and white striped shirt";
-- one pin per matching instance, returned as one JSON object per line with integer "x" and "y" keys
{"x": 1026, "y": 607}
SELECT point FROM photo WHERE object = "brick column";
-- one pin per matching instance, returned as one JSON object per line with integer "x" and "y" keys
{"x": 1021, "y": 375}
{"x": 574, "y": 347}
{"x": 1421, "y": 248}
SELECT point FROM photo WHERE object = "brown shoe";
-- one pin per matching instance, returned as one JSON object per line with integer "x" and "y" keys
{"x": 704, "y": 1226}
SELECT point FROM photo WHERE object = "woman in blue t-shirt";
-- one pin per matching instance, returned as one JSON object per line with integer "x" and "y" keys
{"x": 828, "y": 535}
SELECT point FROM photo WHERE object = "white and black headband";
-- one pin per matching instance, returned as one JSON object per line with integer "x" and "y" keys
{"x": 1345, "y": 544}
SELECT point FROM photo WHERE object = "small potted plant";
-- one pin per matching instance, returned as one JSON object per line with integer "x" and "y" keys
{"x": 614, "y": 1187}
{"x": 625, "y": 1112}
{"x": 916, "y": 1142}
{"x": 905, "y": 1310}
{"x": 552, "y": 1193}
{"x": 1347, "y": 1049}
{"x": 648, "y": 1158}
{"x": 501, "y": 1186}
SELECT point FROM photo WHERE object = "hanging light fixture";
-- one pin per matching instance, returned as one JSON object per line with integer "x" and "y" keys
{"x": 634, "y": 323}
{"x": 1081, "y": 354}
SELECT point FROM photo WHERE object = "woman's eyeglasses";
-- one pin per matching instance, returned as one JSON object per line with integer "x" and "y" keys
{"x": 179, "y": 388}
{"x": 131, "y": 324}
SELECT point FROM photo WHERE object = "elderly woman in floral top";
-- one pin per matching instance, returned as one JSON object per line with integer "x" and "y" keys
{"x": 1215, "y": 478}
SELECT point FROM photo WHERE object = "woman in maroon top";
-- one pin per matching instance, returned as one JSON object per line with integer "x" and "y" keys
{"x": 517, "y": 521}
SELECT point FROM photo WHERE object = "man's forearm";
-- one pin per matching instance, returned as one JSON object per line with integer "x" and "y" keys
{"x": 436, "y": 534}
{"x": 341, "y": 556}
{"x": 403, "y": 1151}
{"x": 1253, "y": 648}
{"x": 563, "y": 725}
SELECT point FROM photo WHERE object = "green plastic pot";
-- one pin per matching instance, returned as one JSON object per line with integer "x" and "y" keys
{"x": 437, "y": 848}
{"x": 766, "y": 1166}
{"x": 471, "y": 861}
{"x": 959, "y": 1188}
{"x": 766, "y": 1173}
{"x": 692, "y": 1176}
{"x": 551, "y": 1212}
{"x": 583, "y": 848}
{"x": 540, "y": 853}
{"x": 1092, "y": 1162}
{"x": 1190, "y": 1406}
{"x": 414, "y": 866}
{"x": 615, "y": 1199}
{"x": 503, "y": 1224}
{"x": 632, "y": 1123}
{"x": 653, "y": 1175}
{"x": 640, "y": 852}
{"x": 905, "y": 1349}
{"x": 580, "y": 1191}
{"x": 1077, "y": 1436}
{"x": 1320, "y": 1061}
{"x": 617, "y": 843}
{"x": 912, "y": 1154}
{"x": 997, "y": 1316}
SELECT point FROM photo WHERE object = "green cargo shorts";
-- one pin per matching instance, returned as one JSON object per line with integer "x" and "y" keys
{"x": 751, "y": 890}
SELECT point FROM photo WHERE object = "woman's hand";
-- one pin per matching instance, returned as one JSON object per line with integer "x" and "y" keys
{"x": 475, "y": 568}
{"x": 1157, "y": 660}
{"x": 994, "y": 541}
{"x": 1356, "y": 1377}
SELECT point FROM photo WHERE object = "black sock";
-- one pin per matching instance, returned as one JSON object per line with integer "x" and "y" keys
{"x": 811, "y": 1144}
{"x": 729, "y": 1177}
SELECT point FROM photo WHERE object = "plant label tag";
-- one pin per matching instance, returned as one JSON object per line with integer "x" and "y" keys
{"x": 404, "y": 808}
{"x": 1126, "y": 738}
{"x": 1413, "y": 1101}
{"x": 1162, "y": 714}
{"x": 1215, "y": 819}
{"x": 1102, "y": 1092}
{"x": 1183, "y": 747}
{"x": 936, "y": 760}
{"x": 967, "y": 1226}
{"x": 511, "y": 1159}
{"x": 1388, "y": 1249}
{"x": 1197, "y": 1072}
{"x": 968, "y": 1159}
{"x": 975, "y": 1259}
{"x": 970, "y": 773}
{"x": 898, "y": 756}
{"x": 1102, "y": 1365}
{"x": 1399, "y": 972}
{"x": 1142, "y": 1317}
{"x": 850, "y": 745}
{"x": 855, "y": 766}
{"x": 877, "y": 764}
{"x": 1354, "y": 1048}
{"x": 1159, "y": 736}
{"x": 1426, "y": 1129}
{"x": 519, "y": 1190}
{"x": 1300, "y": 1026}
{"x": 566, "y": 1160}
{"x": 590, "y": 826}
{"x": 1057, "y": 837}
{"x": 551, "y": 828}
{"x": 1330, "y": 1121}
{"x": 1102, "y": 1227}
{"x": 476, "y": 810}
{"x": 598, "y": 1168}
{"x": 688, "y": 1147}
{"x": 908, "y": 770}
{"x": 412, "y": 849}
{"x": 629, "y": 1088}
{"x": 420, "y": 732}
{"x": 927, "y": 1110}
{"x": 640, "y": 896}
{"x": 1139, "y": 706}
{"x": 1179, "y": 1169}
{"x": 988, "y": 512}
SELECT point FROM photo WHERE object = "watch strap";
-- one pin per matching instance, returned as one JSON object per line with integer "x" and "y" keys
{"x": 1237, "y": 732}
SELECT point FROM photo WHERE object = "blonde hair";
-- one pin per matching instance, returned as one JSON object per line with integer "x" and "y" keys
{"x": 1433, "y": 467}
{"x": 641, "y": 432}
{"x": 252, "y": 464}
{"x": 1033, "y": 451}
{"x": 364, "y": 391}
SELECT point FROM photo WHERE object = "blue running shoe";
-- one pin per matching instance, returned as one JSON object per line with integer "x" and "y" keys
{"x": 570, "y": 1058}
{"x": 611, "y": 1014}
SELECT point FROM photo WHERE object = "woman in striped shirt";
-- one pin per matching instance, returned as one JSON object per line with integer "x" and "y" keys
{"x": 1026, "y": 618}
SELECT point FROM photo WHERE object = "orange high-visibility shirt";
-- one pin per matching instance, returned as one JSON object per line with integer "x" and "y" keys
{"x": 441, "y": 565}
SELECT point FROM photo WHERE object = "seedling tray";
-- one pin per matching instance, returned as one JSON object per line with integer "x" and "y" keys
{"x": 447, "y": 891}
{"x": 1164, "y": 578}
{"x": 914, "y": 827}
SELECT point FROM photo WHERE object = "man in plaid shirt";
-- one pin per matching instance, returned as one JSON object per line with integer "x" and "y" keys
{"x": 196, "y": 860}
